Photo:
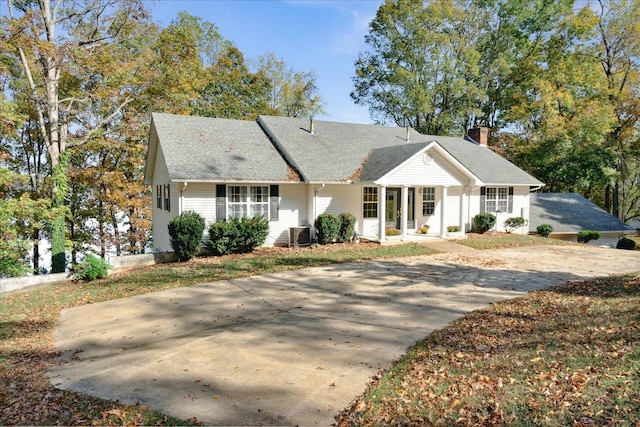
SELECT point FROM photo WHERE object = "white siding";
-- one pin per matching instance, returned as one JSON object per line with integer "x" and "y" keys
{"x": 292, "y": 213}
{"x": 161, "y": 217}
{"x": 337, "y": 199}
{"x": 199, "y": 197}
{"x": 452, "y": 210}
{"x": 342, "y": 198}
{"x": 520, "y": 208}
{"x": 439, "y": 172}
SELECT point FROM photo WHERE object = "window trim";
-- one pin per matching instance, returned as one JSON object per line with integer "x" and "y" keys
{"x": 501, "y": 198}
{"x": 158, "y": 196}
{"x": 428, "y": 203}
{"x": 167, "y": 197}
{"x": 249, "y": 200}
{"x": 370, "y": 207}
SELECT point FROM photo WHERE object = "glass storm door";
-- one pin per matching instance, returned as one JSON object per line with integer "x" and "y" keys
{"x": 392, "y": 211}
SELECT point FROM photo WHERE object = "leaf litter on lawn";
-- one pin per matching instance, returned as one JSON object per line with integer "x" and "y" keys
{"x": 564, "y": 356}
{"x": 27, "y": 321}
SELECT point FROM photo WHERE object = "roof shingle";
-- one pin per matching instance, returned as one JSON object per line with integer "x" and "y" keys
{"x": 206, "y": 148}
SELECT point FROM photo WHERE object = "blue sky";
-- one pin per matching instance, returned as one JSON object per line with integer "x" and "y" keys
{"x": 320, "y": 35}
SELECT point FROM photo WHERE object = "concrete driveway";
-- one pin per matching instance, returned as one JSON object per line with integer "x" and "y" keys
{"x": 294, "y": 347}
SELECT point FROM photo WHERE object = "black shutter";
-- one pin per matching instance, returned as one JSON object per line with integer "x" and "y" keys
{"x": 510, "y": 199}
{"x": 221, "y": 202}
{"x": 273, "y": 203}
{"x": 483, "y": 196}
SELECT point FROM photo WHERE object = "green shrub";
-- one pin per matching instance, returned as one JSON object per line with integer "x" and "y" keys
{"x": 626, "y": 243}
{"x": 254, "y": 233}
{"x": 483, "y": 222}
{"x": 237, "y": 235}
{"x": 185, "y": 234}
{"x": 92, "y": 268}
{"x": 514, "y": 223}
{"x": 327, "y": 228}
{"x": 585, "y": 236}
{"x": 544, "y": 230}
{"x": 453, "y": 228}
{"x": 347, "y": 226}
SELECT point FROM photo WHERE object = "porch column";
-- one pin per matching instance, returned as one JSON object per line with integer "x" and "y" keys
{"x": 443, "y": 212}
{"x": 463, "y": 208}
{"x": 404, "y": 211}
{"x": 382, "y": 204}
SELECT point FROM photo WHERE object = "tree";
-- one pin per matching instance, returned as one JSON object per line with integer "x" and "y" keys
{"x": 183, "y": 50}
{"x": 559, "y": 87}
{"x": 49, "y": 40}
{"x": 422, "y": 69}
{"x": 232, "y": 91}
{"x": 619, "y": 56}
{"x": 293, "y": 93}
{"x": 19, "y": 216}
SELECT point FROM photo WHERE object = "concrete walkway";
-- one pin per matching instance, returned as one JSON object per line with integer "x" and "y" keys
{"x": 294, "y": 347}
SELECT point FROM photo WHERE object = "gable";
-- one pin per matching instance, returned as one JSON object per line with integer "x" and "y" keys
{"x": 429, "y": 167}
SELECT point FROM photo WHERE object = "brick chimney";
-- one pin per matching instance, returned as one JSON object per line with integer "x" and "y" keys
{"x": 479, "y": 134}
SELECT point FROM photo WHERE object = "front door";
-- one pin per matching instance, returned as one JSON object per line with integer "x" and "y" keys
{"x": 393, "y": 211}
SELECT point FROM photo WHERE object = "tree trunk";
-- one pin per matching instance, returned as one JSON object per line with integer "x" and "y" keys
{"x": 35, "y": 236}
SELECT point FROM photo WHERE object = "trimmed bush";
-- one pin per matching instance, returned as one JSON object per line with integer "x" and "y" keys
{"x": 626, "y": 243}
{"x": 185, "y": 234}
{"x": 453, "y": 228}
{"x": 347, "y": 227}
{"x": 483, "y": 222}
{"x": 544, "y": 230}
{"x": 92, "y": 268}
{"x": 254, "y": 233}
{"x": 585, "y": 236}
{"x": 327, "y": 228}
{"x": 237, "y": 235}
{"x": 513, "y": 223}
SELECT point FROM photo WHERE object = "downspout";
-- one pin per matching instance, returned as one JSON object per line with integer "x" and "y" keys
{"x": 182, "y": 190}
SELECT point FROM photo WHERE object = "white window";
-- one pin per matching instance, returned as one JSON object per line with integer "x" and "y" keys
{"x": 248, "y": 201}
{"x": 259, "y": 201}
{"x": 497, "y": 199}
{"x": 370, "y": 202}
{"x": 428, "y": 201}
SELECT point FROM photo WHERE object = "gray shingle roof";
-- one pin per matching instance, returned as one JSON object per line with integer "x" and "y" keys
{"x": 336, "y": 151}
{"x": 206, "y": 148}
{"x": 202, "y": 148}
{"x": 571, "y": 213}
{"x": 490, "y": 167}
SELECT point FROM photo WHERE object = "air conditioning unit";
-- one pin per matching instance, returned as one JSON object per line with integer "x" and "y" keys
{"x": 299, "y": 236}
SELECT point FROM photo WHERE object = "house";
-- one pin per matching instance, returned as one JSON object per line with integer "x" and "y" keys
{"x": 570, "y": 213}
{"x": 291, "y": 170}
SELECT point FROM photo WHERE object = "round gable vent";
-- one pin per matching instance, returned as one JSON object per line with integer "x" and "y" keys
{"x": 427, "y": 159}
